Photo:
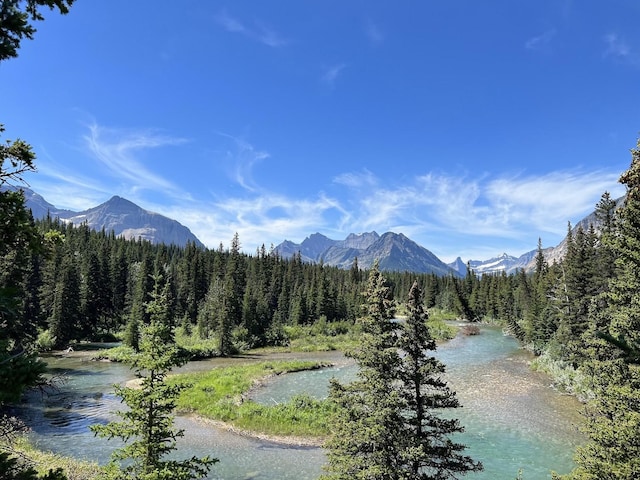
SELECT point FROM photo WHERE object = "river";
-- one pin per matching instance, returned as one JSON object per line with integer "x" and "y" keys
{"x": 513, "y": 418}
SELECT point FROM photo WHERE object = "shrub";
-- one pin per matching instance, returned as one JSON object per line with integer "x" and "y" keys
{"x": 46, "y": 341}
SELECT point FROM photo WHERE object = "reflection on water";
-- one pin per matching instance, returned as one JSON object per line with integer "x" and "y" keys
{"x": 513, "y": 419}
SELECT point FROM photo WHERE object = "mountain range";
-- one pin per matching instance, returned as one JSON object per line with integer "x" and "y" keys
{"x": 123, "y": 217}
{"x": 394, "y": 251}
{"x": 502, "y": 263}
{"x": 397, "y": 252}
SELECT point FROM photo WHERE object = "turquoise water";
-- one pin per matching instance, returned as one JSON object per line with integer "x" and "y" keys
{"x": 513, "y": 418}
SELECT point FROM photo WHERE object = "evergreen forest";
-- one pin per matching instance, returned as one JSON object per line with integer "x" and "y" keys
{"x": 61, "y": 284}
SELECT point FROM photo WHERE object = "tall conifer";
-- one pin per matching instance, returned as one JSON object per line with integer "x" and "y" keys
{"x": 613, "y": 416}
{"x": 364, "y": 442}
{"x": 427, "y": 450}
{"x": 387, "y": 424}
{"x": 149, "y": 419}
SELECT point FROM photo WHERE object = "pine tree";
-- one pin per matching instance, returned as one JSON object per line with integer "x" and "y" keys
{"x": 65, "y": 316}
{"x": 387, "y": 424}
{"x": 92, "y": 290}
{"x": 427, "y": 450}
{"x": 364, "y": 443}
{"x": 233, "y": 291}
{"x": 138, "y": 315}
{"x": 149, "y": 419}
{"x": 613, "y": 416}
{"x": 210, "y": 310}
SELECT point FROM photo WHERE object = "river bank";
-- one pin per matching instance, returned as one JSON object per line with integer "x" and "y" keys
{"x": 513, "y": 417}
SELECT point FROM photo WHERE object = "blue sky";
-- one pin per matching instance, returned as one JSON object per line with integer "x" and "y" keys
{"x": 471, "y": 127}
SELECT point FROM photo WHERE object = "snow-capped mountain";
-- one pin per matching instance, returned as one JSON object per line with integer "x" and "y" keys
{"x": 502, "y": 263}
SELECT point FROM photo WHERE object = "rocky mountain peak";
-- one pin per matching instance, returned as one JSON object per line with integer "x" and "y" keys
{"x": 392, "y": 250}
{"x": 121, "y": 216}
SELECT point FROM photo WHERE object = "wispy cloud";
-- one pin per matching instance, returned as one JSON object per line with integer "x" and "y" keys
{"x": 66, "y": 189}
{"x": 357, "y": 179}
{"x": 615, "y": 46}
{"x": 444, "y": 213}
{"x": 259, "y": 32}
{"x": 331, "y": 74}
{"x": 117, "y": 166}
{"x": 373, "y": 32}
{"x": 259, "y": 219}
{"x": 440, "y": 212}
{"x": 548, "y": 202}
{"x": 242, "y": 159}
{"x": 541, "y": 41}
{"x": 505, "y": 207}
{"x": 618, "y": 50}
{"x": 119, "y": 151}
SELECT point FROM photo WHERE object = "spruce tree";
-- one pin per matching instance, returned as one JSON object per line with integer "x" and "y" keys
{"x": 387, "y": 424}
{"x": 233, "y": 292}
{"x": 364, "y": 443}
{"x": 149, "y": 419}
{"x": 427, "y": 450}
{"x": 613, "y": 416}
{"x": 65, "y": 315}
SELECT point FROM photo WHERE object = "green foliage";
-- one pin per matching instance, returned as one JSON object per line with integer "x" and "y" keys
{"x": 19, "y": 366}
{"x": 15, "y": 16}
{"x": 45, "y": 341}
{"x": 149, "y": 420}
{"x": 613, "y": 425}
{"x": 43, "y": 463}
{"x": 427, "y": 450}
{"x": 131, "y": 336}
{"x": 613, "y": 416}
{"x": 19, "y": 244}
{"x": 385, "y": 425}
{"x": 121, "y": 354}
{"x": 13, "y": 469}
{"x": 566, "y": 377}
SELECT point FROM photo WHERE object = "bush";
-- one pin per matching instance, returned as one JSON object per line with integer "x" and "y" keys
{"x": 46, "y": 341}
{"x": 105, "y": 337}
{"x": 123, "y": 353}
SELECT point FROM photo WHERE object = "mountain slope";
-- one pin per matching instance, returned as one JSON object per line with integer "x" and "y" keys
{"x": 38, "y": 205}
{"x": 557, "y": 253}
{"x": 393, "y": 251}
{"x": 123, "y": 217}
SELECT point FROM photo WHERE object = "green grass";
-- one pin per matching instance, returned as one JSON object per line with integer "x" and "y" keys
{"x": 190, "y": 346}
{"x": 44, "y": 461}
{"x": 122, "y": 353}
{"x": 220, "y": 394}
{"x": 438, "y": 326}
{"x": 322, "y": 337}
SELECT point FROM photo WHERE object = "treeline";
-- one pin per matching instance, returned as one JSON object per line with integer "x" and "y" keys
{"x": 88, "y": 285}
{"x": 67, "y": 283}
{"x": 549, "y": 309}
{"x": 582, "y": 314}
